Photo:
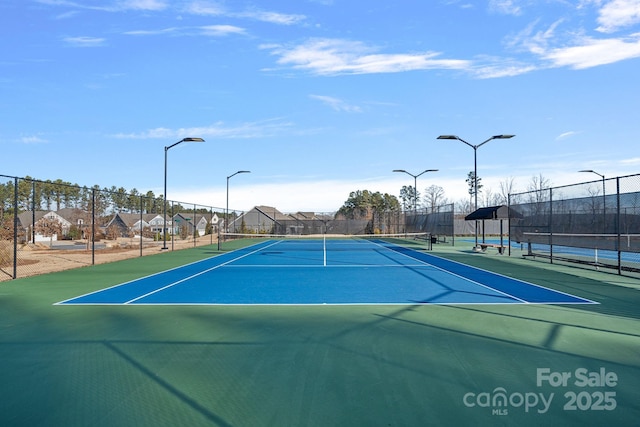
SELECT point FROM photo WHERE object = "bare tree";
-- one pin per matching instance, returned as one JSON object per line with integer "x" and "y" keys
{"x": 539, "y": 186}
{"x": 596, "y": 200}
{"x": 48, "y": 227}
{"x": 506, "y": 189}
{"x": 464, "y": 206}
{"x": 491, "y": 199}
{"x": 434, "y": 197}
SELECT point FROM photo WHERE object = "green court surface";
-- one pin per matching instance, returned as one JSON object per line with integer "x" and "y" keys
{"x": 368, "y": 365}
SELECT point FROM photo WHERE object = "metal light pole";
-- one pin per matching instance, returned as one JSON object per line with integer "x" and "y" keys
{"x": 415, "y": 185}
{"x": 475, "y": 165}
{"x": 604, "y": 197}
{"x": 226, "y": 220}
{"x": 166, "y": 149}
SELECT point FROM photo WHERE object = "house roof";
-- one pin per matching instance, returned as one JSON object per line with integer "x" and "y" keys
{"x": 493, "y": 212}
{"x": 272, "y": 213}
{"x": 309, "y": 215}
{"x": 191, "y": 217}
{"x": 131, "y": 218}
{"x": 70, "y": 215}
{"x": 25, "y": 218}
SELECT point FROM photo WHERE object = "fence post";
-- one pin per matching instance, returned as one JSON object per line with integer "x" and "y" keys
{"x": 33, "y": 212}
{"x": 93, "y": 226}
{"x": 618, "y": 221}
{"x": 173, "y": 229}
{"x": 15, "y": 228}
{"x": 551, "y": 225}
{"x": 141, "y": 228}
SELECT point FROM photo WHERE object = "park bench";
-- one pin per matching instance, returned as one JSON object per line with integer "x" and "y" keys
{"x": 484, "y": 246}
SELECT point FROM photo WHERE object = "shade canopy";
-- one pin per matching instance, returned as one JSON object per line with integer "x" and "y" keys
{"x": 493, "y": 212}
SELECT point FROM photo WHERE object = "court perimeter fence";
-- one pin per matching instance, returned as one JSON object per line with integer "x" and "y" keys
{"x": 438, "y": 221}
{"x": 48, "y": 226}
{"x": 595, "y": 223}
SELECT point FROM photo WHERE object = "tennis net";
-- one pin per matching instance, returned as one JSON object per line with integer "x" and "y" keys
{"x": 420, "y": 240}
{"x": 614, "y": 251}
{"x": 613, "y": 242}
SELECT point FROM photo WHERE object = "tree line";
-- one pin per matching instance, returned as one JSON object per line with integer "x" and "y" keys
{"x": 363, "y": 204}
{"x": 55, "y": 195}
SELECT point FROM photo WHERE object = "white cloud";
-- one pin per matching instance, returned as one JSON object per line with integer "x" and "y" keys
{"x": 337, "y": 104}
{"x": 508, "y": 7}
{"x": 85, "y": 41}
{"x": 142, "y": 4}
{"x": 218, "y": 130}
{"x": 502, "y": 69}
{"x": 631, "y": 162}
{"x": 67, "y": 15}
{"x": 532, "y": 41}
{"x": 591, "y": 52}
{"x": 272, "y": 17}
{"x": 205, "y": 8}
{"x": 336, "y": 56}
{"x": 33, "y": 140}
{"x": 221, "y": 30}
{"x": 119, "y": 6}
{"x": 289, "y": 197}
{"x": 566, "y": 135}
{"x": 214, "y": 9}
{"x": 327, "y": 195}
{"x": 151, "y": 32}
{"x": 574, "y": 49}
{"x": 207, "y": 30}
{"x": 618, "y": 14}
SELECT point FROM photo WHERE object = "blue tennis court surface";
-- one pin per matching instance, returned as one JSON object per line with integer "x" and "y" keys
{"x": 328, "y": 271}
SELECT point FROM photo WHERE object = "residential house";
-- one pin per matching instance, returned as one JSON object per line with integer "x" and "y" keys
{"x": 267, "y": 219}
{"x": 184, "y": 223}
{"x": 260, "y": 219}
{"x": 66, "y": 218}
{"x": 129, "y": 224}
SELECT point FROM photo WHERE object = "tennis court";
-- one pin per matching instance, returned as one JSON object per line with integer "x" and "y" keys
{"x": 327, "y": 271}
{"x": 241, "y": 336}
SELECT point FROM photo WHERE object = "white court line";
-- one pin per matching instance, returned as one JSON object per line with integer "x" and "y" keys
{"x": 142, "y": 278}
{"x": 506, "y": 277}
{"x": 461, "y": 277}
{"x": 421, "y": 263}
{"x": 197, "y": 274}
{"x": 324, "y": 248}
{"x": 328, "y": 266}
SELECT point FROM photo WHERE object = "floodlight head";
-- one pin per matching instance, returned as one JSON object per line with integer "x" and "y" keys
{"x": 236, "y": 173}
{"x": 592, "y": 171}
{"x": 183, "y": 140}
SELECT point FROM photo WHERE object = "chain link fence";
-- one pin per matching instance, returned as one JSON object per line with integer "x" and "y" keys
{"x": 439, "y": 222}
{"x": 595, "y": 223}
{"x": 52, "y": 226}
{"x": 269, "y": 220}
{"x": 48, "y": 226}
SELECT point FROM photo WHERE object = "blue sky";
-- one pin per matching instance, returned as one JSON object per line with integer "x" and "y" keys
{"x": 317, "y": 98}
